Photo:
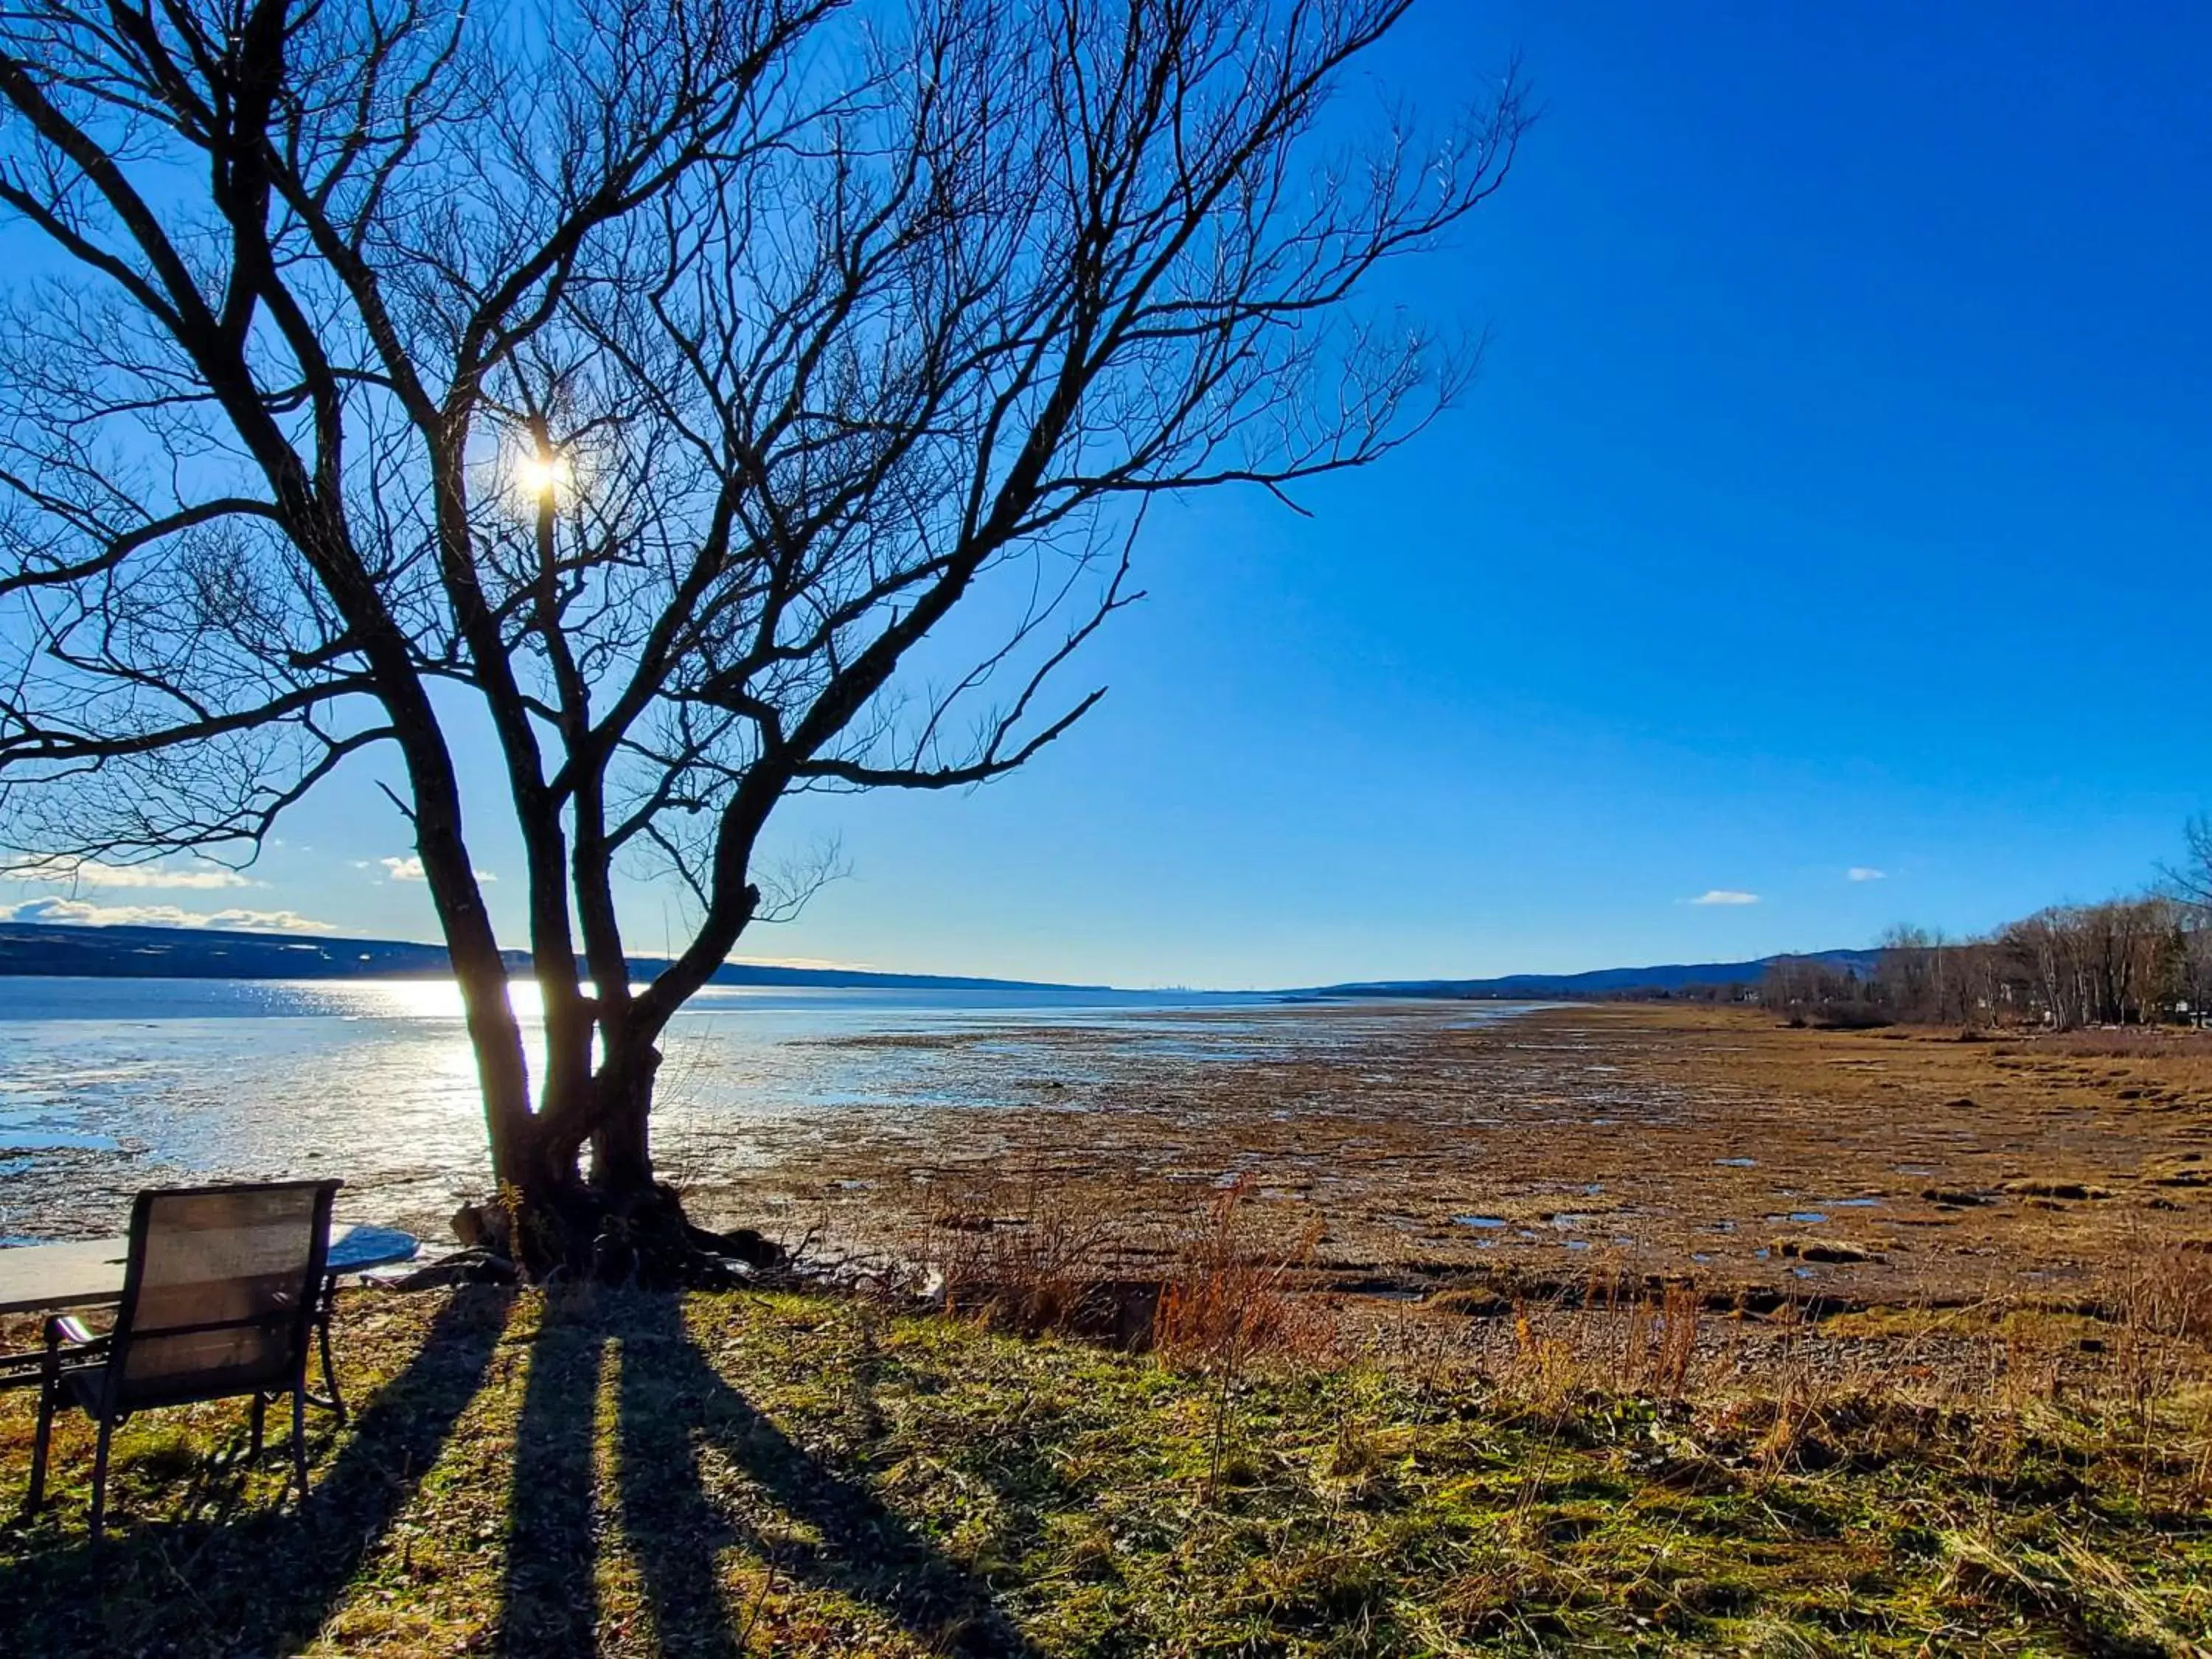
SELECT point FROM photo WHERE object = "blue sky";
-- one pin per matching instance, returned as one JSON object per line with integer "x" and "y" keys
{"x": 1835, "y": 498}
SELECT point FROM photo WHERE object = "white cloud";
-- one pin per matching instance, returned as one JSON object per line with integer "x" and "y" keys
{"x": 279, "y": 922}
{"x": 1861, "y": 872}
{"x": 411, "y": 869}
{"x": 1725, "y": 895}
{"x": 83, "y": 872}
{"x": 79, "y": 912}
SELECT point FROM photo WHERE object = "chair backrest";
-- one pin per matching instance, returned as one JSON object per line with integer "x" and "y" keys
{"x": 220, "y": 1291}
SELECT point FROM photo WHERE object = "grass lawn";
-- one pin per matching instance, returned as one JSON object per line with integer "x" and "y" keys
{"x": 593, "y": 1473}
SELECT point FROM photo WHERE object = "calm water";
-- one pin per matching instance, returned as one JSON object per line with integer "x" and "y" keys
{"x": 110, "y": 1085}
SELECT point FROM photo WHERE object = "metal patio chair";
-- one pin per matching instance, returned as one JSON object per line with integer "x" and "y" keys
{"x": 222, "y": 1294}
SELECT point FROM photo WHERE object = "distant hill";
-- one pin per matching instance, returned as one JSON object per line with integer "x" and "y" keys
{"x": 122, "y": 952}
{"x": 51, "y": 948}
{"x": 1602, "y": 981}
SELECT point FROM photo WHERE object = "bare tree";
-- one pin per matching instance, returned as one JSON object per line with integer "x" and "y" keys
{"x": 1811, "y": 990}
{"x": 2190, "y": 881}
{"x": 2186, "y": 962}
{"x": 1909, "y": 975}
{"x": 2121, "y": 963}
{"x": 651, "y": 378}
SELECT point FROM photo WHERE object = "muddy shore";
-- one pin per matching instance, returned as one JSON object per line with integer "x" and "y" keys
{"x": 1422, "y": 1152}
{"x": 1409, "y": 1149}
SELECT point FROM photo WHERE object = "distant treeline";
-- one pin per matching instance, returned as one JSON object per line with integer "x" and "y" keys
{"x": 2135, "y": 961}
{"x": 1724, "y": 990}
{"x": 2129, "y": 962}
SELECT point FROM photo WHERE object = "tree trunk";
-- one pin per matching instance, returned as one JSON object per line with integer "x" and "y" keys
{"x": 621, "y": 1154}
{"x": 619, "y": 1227}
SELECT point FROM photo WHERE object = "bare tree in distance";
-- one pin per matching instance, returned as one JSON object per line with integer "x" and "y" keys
{"x": 2190, "y": 882}
{"x": 648, "y": 381}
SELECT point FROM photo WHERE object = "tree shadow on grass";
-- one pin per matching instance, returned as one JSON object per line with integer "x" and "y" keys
{"x": 681, "y": 1431}
{"x": 236, "y": 1578}
{"x": 548, "y": 1606}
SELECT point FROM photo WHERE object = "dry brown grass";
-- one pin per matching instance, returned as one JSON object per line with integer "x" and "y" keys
{"x": 1030, "y": 1258}
{"x": 2158, "y": 1042}
{"x": 1227, "y": 1306}
{"x": 1215, "y": 1299}
{"x": 1022, "y": 1255}
{"x": 1230, "y": 1296}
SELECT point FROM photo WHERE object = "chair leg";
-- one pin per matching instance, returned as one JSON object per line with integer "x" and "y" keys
{"x": 260, "y": 1414}
{"x": 300, "y": 1433}
{"x": 45, "y": 1434}
{"x": 330, "y": 1370}
{"x": 100, "y": 1480}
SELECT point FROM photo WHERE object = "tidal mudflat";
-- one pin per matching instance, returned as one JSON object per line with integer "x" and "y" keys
{"x": 1399, "y": 1148}
{"x": 1425, "y": 1146}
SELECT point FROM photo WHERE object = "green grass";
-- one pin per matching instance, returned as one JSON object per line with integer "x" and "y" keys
{"x": 598, "y": 1474}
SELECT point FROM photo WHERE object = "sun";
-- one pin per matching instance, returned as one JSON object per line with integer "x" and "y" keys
{"x": 542, "y": 475}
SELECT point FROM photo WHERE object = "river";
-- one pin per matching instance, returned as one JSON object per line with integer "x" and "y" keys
{"x": 110, "y": 1085}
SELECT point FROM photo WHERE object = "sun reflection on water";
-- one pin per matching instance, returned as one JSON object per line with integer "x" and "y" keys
{"x": 374, "y": 1081}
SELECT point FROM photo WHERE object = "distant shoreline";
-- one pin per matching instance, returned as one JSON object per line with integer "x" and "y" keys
{"x": 49, "y": 951}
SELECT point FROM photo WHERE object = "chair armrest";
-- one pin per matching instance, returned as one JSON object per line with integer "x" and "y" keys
{"x": 80, "y": 1336}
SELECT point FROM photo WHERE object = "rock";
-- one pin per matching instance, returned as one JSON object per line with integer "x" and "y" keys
{"x": 1953, "y": 1198}
{"x": 2071, "y": 1190}
{"x": 1833, "y": 1251}
{"x": 756, "y": 1249}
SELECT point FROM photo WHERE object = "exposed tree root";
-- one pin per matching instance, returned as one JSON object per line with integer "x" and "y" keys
{"x": 638, "y": 1237}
